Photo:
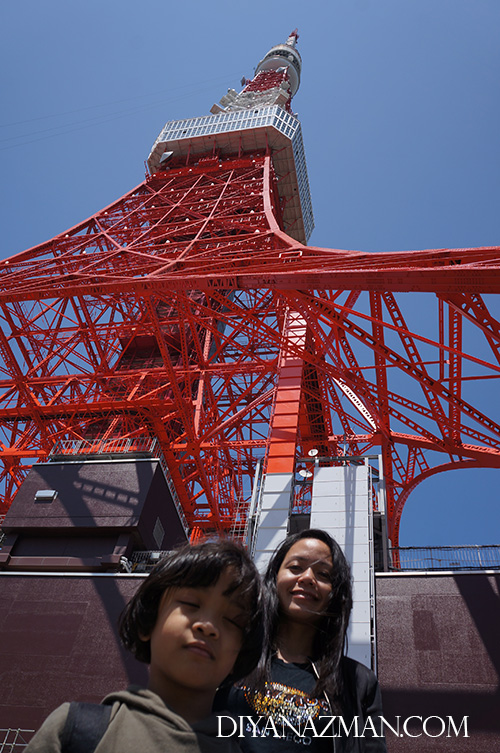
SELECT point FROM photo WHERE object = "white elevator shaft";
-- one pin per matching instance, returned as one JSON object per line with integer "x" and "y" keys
{"x": 342, "y": 506}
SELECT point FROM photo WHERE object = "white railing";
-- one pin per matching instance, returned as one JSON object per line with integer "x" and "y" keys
{"x": 472, "y": 557}
{"x": 13, "y": 740}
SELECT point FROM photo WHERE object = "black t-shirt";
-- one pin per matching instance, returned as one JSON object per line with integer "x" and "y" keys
{"x": 288, "y": 718}
{"x": 283, "y": 719}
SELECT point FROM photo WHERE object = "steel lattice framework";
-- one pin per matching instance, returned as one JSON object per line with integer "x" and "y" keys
{"x": 183, "y": 312}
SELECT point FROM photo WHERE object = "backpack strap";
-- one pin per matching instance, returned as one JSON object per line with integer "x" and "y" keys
{"x": 85, "y": 724}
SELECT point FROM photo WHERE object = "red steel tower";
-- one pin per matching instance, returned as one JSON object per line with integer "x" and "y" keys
{"x": 189, "y": 319}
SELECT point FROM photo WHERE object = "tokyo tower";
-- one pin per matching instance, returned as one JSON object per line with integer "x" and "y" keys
{"x": 189, "y": 319}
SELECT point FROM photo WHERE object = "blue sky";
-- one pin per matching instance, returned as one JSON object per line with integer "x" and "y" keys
{"x": 399, "y": 103}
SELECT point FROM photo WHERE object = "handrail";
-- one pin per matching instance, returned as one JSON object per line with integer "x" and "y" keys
{"x": 466, "y": 557}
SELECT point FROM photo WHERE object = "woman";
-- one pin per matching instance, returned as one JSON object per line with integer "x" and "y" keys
{"x": 305, "y": 693}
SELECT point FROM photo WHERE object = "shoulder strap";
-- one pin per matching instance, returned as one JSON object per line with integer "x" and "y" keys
{"x": 85, "y": 725}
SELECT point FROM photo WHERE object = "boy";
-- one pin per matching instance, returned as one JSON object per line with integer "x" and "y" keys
{"x": 197, "y": 620}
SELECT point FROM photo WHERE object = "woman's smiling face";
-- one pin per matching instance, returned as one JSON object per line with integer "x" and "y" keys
{"x": 303, "y": 582}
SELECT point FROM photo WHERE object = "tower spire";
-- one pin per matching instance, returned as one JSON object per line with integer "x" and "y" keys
{"x": 284, "y": 56}
{"x": 275, "y": 82}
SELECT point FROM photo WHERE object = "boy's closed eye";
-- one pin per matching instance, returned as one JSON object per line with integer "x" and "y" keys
{"x": 234, "y": 615}
{"x": 238, "y": 620}
{"x": 186, "y": 603}
{"x": 189, "y": 596}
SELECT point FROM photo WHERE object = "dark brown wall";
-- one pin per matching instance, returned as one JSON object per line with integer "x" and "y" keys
{"x": 90, "y": 495}
{"x": 58, "y": 642}
{"x": 438, "y": 639}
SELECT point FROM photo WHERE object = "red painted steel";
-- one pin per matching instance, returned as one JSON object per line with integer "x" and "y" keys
{"x": 183, "y": 312}
{"x": 265, "y": 80}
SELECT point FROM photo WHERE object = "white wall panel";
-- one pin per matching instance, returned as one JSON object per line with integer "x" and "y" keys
{"x": 341, "y": 506}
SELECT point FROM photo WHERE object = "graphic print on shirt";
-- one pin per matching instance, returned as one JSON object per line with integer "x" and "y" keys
{"x": 283, "y": 709}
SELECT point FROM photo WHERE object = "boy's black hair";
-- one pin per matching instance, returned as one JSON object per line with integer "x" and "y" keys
{"x": 198, "y": 566}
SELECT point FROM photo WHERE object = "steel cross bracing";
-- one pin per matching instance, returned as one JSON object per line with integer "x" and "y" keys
{"x": 183, "y": 312}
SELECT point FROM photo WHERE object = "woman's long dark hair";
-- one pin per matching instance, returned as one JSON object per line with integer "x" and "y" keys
{"x": 330, "y": 634}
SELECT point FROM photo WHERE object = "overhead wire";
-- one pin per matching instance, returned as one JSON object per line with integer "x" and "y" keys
{"x": 15, "y": 141}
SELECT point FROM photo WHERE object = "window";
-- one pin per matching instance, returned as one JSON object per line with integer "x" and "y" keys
{"x": 45, "y": 495}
